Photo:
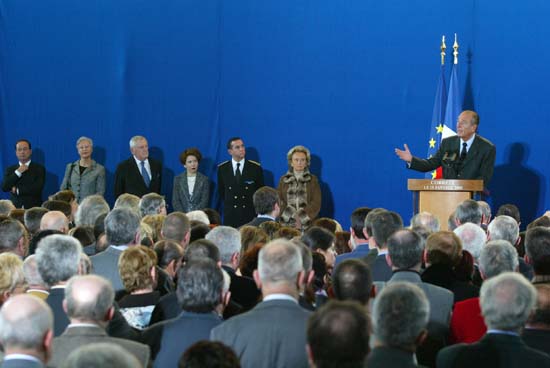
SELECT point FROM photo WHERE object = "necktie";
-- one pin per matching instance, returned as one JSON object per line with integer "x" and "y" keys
{"x": 238, "y": 172}
{"x": 464, "y": 151}
{"x": 145, "y": 174}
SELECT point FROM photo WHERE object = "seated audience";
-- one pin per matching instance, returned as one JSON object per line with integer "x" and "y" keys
{"x": 359, "y": 241}
{"x": 426, "y": 220}
{"x": 55, "y": 220}
{"x": 341, "y": 242}
{"x": 32, "y": 219}
{"x": 152, "y": 204}
{"x": 266, "y": 206}
{"x": 198, "y": 230}
{"x": 130, "y": 201}
{"x": 90, "y": 209}
{"x": 85, "y": 235}
{"x": 321, "y": 240}
{"x": 155, "y": 222}
{"x": 176, "y": 227}
{"x": 270, "y": 228}
{"x": 468, "y": 211}
{"x": 198, "y": 215}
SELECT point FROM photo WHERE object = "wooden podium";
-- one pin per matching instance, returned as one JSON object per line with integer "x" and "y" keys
{"x": 440, "y": 197}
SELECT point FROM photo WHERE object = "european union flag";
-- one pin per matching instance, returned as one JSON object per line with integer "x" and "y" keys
{"x": 438, "y": 116}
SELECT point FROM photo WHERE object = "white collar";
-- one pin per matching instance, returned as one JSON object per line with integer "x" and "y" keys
{"x": 279, "y": 297}
{"x": 468, "y": 142}
{"x": 26, "y": 163}
{"x": 138, "y": 162}
{"x": 22, "y": 357}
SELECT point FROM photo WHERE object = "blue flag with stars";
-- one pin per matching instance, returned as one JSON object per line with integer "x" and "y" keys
{"x": 438, "y": 117}
{"x": 454, "y": 101}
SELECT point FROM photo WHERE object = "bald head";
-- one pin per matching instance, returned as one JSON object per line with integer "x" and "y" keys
{"x": 55, "y": 220}
{"x": 26, "y": 324}
{"x": 89, "y": 299}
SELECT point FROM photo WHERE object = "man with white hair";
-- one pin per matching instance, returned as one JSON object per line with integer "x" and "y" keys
{"x": 26, "y": 333}
{"x": 55, "y": 220}
{"x": 507, "y": 228}
{"x": 14, "y": 238}
{"x": 36, "y": 286}
{"x": 506, "y": 302}
{"x": 152, "y": 204}
{"x": 473, "y": 238}
{"x": 139, "y": 174}
{"x": 243, "y": 289}
{"x": 273, "y": 334}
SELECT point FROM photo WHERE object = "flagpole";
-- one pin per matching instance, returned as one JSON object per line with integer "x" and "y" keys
{"x": 455, "y": 52}
{"x": 443, "y": 48}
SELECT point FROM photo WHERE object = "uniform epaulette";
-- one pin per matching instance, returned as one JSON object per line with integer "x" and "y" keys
{"x": 223, "y": 163}
{"x": 254, "y": 162}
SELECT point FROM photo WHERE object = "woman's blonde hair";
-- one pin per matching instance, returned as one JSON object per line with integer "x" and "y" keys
{"x": 135, "y": 265}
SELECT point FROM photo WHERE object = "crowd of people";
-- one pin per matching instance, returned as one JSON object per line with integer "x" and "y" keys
{"x": 84, "y": 285}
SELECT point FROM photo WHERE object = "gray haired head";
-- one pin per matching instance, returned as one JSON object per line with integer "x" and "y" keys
{"x": 279, "y": 261}
{"x": 24, "y": 321}
{"x": 121, "y": 226}
{"x": 58, "y": 258}
{"x": 405, "y": 249}
{"x": 427, "y": 220}
{"x": 496, "y": 257}
{"x": 151, "y": 204}
{"x": 468, "y": 211}
{"x": 473, "y": 238}
{"x": 400, "y": 314}
{"x": 228, "y": 241}
{"x": 507, "y": 301}
{"x": 90, "y": 209}
{"x": 88, "y": 298}
{"x": 504, "y": 228}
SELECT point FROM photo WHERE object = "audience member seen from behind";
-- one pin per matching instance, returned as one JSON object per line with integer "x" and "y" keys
{"x": 209, "y": 354}
{"x": 12, "y": 279}
{"x": 138, "y": 273}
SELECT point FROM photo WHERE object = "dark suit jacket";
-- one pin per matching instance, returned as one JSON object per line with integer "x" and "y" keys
{"x": 168, "y": 340}
{"x": 77, "y": 336}
{"x": 106, "y": 264}
{"x": 386, "y": 357}
{"x": 380, "y": 269}
{"x": 443, "y": 276}
{"x": 60, "y": 319}
{"x": 30, "y": 185}
{"x": 238, "y": 208}
{"x": 128, "y": 178}
{"x": 258, "y": 221}
{"x": 272, "y": 335}
{"x": 20, "y": 363}
{"x": 493, "y": 350}
{"x": 182, "y": 201}
{"x": 479, "y": 162}
{"x": 537, "y": 339}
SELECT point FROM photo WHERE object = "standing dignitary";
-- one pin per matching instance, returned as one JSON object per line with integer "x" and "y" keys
{"x": 24, "y": 180}
{"x": 139, "y": 174}
{"x": 466, "y": 155}
{"x": 238, "y": 179}
{"x": 84, "y": 176}
{"x": 272, "y": 334}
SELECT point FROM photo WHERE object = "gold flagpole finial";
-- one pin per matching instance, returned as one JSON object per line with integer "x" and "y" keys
{"x": 455, "y": 52}
{"x": 443, "y": 48}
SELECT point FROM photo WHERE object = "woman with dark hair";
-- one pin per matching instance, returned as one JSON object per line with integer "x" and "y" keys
{"x": 299, "y": 190}
{"x": 84, "y": 176}
{"x": 191, "y": 188}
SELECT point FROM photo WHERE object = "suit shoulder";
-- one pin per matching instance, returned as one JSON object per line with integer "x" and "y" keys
{"x": 254, "y": 162}
{"x": 484, "y": 140}
{"x": 223, "y": 163}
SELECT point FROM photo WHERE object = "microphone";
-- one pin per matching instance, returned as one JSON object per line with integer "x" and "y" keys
{"x": 449, "y": 158}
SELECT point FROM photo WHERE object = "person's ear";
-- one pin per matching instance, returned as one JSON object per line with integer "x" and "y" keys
{"x": 421, "y": 337}
{"x": 64, "y": 304}
{"x": 388, "y": 260}
{"x": 256, "y": 277}
{"x": 110, "y": 314}
{"x": 310, "y": 356}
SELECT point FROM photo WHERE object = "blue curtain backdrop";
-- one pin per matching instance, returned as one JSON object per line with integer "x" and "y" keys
{"x": 351, "y": 80}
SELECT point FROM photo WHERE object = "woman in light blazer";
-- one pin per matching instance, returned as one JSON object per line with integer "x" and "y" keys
{"x": 84, "y": 176}
{"x": 191, "y": 188}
